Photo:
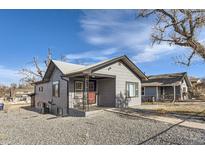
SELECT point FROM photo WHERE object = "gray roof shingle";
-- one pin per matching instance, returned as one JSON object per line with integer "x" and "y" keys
{"x": 66, "y": 68}
{"x": 164, "y": 79}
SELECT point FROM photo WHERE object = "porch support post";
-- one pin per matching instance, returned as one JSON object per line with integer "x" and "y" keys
{"x": 157, "y": 93}
{"x": 174, "y": 93}
{"x": 86, "y": 90}
{"x": 163, "y": 93}
{"x": 181, "y": 93}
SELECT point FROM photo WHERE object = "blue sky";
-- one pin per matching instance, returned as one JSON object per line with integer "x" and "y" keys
{"x": 85, "y": 37}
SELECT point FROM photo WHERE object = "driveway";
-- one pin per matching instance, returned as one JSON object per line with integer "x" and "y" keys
{"x": 28, "y": 127}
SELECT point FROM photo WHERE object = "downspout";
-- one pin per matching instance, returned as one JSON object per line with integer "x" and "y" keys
{"x": 67, "y": 81}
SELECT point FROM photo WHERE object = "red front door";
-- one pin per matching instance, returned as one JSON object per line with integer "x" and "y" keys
{"x": 91, "y": 97}
{"x": 92, "y": 93}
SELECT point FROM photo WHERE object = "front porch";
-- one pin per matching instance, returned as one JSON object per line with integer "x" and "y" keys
{"x": 164, "y": 93}
{"x": 89, "y": 94}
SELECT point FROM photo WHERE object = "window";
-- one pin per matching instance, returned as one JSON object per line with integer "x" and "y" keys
{"x": 184, "y": 89}
{"x": 79, "y": 86}
{"x": 79, "y": 89}
{"x": 143, "y": 91}
{"x": 56, "y": 89}
{"x": 132, "y": 89}
{"x": 40, "y": 89}
{"x": 91, "y": 86}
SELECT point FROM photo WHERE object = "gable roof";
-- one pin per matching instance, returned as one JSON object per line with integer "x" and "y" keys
{"x": 70, "y": 69}
{"x": 124, "y": 59}
{"x": 166, "y": 79}
{"x": 64, "y": 68}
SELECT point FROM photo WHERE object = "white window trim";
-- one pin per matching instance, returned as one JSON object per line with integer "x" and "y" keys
{"x": 136, "y": 89}
{"x": 56, "y": 83}
{"x": 81, "y": 82}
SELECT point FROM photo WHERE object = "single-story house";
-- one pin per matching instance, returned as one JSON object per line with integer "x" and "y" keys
{"x": 17, "y": 95}
{"x": 200, "y": 89}
{"x": 166, "y": 87}
{"x": 194, "y": 81}
{"x": 67, "y": 88}
{"x": 195, "y": 90}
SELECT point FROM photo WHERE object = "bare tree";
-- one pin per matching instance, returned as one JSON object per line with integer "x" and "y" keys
{"x": 32, "y": 75}
{"x": 49, "y": 56}
{"x": 3, "y": 90}
{"x": 37, "y": 73}
{"x": 178, "y": 27}
{"x": 64, "y": 58}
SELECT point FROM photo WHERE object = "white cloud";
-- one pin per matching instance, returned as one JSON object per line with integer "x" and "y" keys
{"x": 118, "y": 29}
{"x": 152, "y": 53}
{"x": 89, "y": 57}
{"x": 114, "y": 28}
{"x": 8, "y": 76}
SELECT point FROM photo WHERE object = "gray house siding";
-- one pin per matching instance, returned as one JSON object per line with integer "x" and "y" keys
{"x": 106, "y": 92}
{"x": 123, "y": 75}
{"x": 58, "y": 103}
{"x": 42, "y": 96}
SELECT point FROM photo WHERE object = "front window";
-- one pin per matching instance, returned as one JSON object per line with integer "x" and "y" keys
{"x": 56, "y": 89}
{"x": 78, "y": 86}
{"x": 78, "y": 89}
{"x": 132, "y": 89}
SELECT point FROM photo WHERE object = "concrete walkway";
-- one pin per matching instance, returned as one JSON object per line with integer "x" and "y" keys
{"x": 170, "y": 120}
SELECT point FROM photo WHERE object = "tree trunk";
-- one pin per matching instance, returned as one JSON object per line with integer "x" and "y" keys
{"x": 198, "y": 47}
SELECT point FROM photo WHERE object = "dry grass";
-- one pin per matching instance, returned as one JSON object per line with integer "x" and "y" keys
{"x": 183, "y": 108}
{"x": 8, "y": 107}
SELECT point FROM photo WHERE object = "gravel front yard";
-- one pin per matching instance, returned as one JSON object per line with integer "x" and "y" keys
{"x": 28, "y": 127}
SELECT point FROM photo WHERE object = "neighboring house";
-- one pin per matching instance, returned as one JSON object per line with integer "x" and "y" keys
{"x": 200, "y": 88}
{"x": 194, "y": 81}
{"x": 67, "y": 88}
{"x": 21, "y": 95}
{"x": 166, "y": 87}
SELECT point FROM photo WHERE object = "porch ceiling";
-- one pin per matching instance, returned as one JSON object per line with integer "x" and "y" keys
{"x": 93, "y": 75}
{"x": 159, "y": 84}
